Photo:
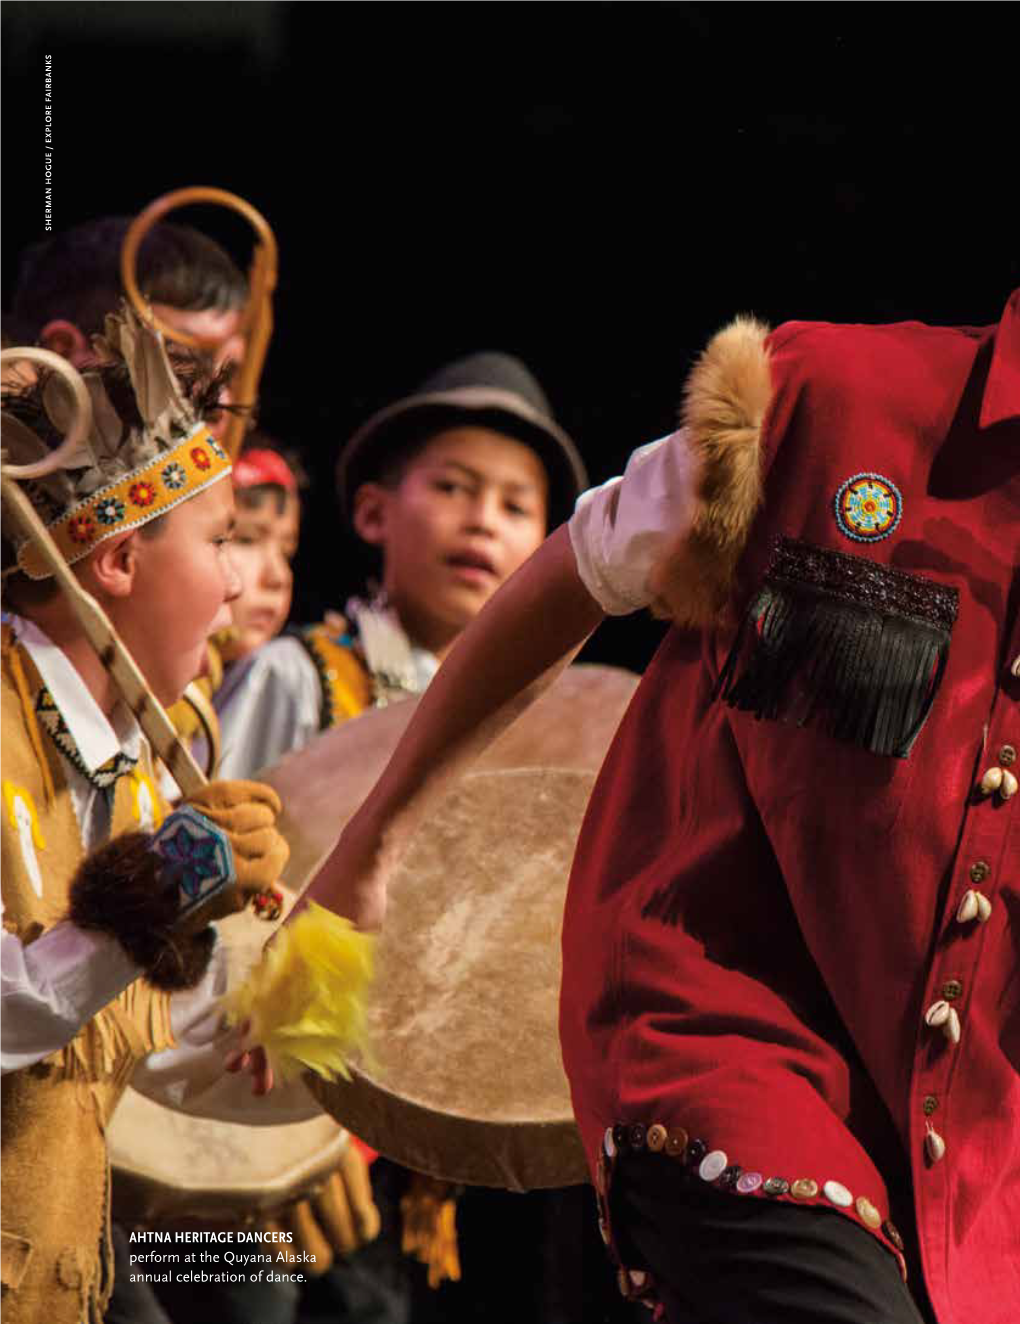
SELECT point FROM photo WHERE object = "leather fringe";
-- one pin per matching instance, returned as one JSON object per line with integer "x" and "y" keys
{"x": 836, "y": 642}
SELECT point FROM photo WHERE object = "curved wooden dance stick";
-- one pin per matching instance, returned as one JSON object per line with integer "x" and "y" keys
{"x": 257, "y": 320}
{"x": 81, "y": 421}
{"x": 94, "y": 622}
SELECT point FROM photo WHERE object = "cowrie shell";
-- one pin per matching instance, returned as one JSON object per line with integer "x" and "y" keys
{"x": 991, "y": 781}
{"x": 1009, "y": 785}
{"x": 935, "y": 1146}
{"x": 984, "y": 907}
{"x": 951, "y": 1026}
{"x": 937, "y": 1014}
{"x": 968, "y": 908}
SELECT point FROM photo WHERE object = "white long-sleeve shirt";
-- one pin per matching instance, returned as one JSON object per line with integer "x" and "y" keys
{"x": 51, "y": 988}
{"x": 619, "y": 531}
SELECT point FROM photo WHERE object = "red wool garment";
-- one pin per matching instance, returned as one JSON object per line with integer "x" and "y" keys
{"x": 799, "y": 951}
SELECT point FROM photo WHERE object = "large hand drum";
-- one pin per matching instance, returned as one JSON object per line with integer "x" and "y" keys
{"x": 463, "y": 1078}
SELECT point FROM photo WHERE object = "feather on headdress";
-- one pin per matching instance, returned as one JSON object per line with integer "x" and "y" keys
{"x": 147, "y": 451}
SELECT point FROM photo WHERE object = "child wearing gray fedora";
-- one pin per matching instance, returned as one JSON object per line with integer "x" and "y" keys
{"x": 454, "y": 486}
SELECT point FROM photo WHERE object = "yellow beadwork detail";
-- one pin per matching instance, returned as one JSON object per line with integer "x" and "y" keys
{"x": 12, "y": 794}
{"x": 140, "y": 496}
{"x": 138, "y": 780}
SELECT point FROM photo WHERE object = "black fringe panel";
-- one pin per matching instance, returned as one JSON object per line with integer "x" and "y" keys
{"x": 842, "y": 644}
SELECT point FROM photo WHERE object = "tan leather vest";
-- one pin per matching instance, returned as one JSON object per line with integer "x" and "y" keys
{"x": 56, "y": 1256}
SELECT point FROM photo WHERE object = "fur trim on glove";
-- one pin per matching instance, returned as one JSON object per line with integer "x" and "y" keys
{"x": 119, "y": 890}
{"x": 725, "y": 401}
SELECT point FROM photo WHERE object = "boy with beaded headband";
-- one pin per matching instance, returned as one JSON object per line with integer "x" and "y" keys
{"x": 126, "y": 478}
{"x": 104, "y": 915}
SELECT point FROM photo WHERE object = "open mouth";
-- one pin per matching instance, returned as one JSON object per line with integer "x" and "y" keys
{"x": 261, "y": 618}
{"x": 472, "y": 563}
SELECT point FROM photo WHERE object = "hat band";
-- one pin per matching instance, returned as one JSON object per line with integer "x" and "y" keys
{"x": 144, "y": 494}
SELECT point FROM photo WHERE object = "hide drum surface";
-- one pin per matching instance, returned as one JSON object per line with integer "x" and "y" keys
{"x": 322, "y": 785}
{"x": 167, "y": 1164}
{"x": 463, "y": 1077}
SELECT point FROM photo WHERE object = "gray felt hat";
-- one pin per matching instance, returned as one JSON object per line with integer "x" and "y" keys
{"x": 489, "y": 389}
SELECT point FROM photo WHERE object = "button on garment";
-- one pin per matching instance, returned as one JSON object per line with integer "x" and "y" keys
{"x": 713, "y": 1165}
{"x": 836, "y": 1193}
{"x": 676, "y": 1142}
{"x": 656, "y": 1138}
{"x": 869, "y": 1215}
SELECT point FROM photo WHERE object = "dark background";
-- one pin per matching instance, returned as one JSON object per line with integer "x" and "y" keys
{"x": 596, "y": 187}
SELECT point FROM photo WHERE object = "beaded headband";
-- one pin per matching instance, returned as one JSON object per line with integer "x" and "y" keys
{"x": 144, "y": 455}
{"x": 141, "y": 495}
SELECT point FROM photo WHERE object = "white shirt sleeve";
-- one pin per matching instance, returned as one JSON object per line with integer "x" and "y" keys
{"x": 190, "y": 1078}
{"x": 618, "y": 531}
{"x": 51, "y": 988}
{"x": 268, "y": 705}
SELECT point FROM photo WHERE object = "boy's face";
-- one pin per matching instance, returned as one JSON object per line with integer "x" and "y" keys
{"x": 470, "y": 508}
{"x": 214, "y": 325}
{"x": 265, "y": 541}
{"x": 221, "y": 326}
{"x": 182, "y": 585}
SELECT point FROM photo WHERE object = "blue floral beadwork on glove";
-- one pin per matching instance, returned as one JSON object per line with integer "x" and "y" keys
{"x": 197, "y": 855}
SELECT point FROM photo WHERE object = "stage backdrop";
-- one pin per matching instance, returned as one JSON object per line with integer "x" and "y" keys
{"x": 596, "y": 187}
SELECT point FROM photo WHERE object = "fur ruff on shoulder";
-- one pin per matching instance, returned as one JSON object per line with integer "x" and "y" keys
{"x": 725, "y": 400}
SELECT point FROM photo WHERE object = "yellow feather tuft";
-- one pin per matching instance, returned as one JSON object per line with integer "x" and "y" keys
{"x": 305, "y": 1000}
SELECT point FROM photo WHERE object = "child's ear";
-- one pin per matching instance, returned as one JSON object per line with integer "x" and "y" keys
{"x": 371, "y": 513}
{"x": 65, "y": 339}
{"x": 113, "y": 565}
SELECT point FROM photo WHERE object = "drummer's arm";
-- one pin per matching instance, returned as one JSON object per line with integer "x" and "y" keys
{"x": 599, "y": 563}
{"x": 504, "y": 659}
